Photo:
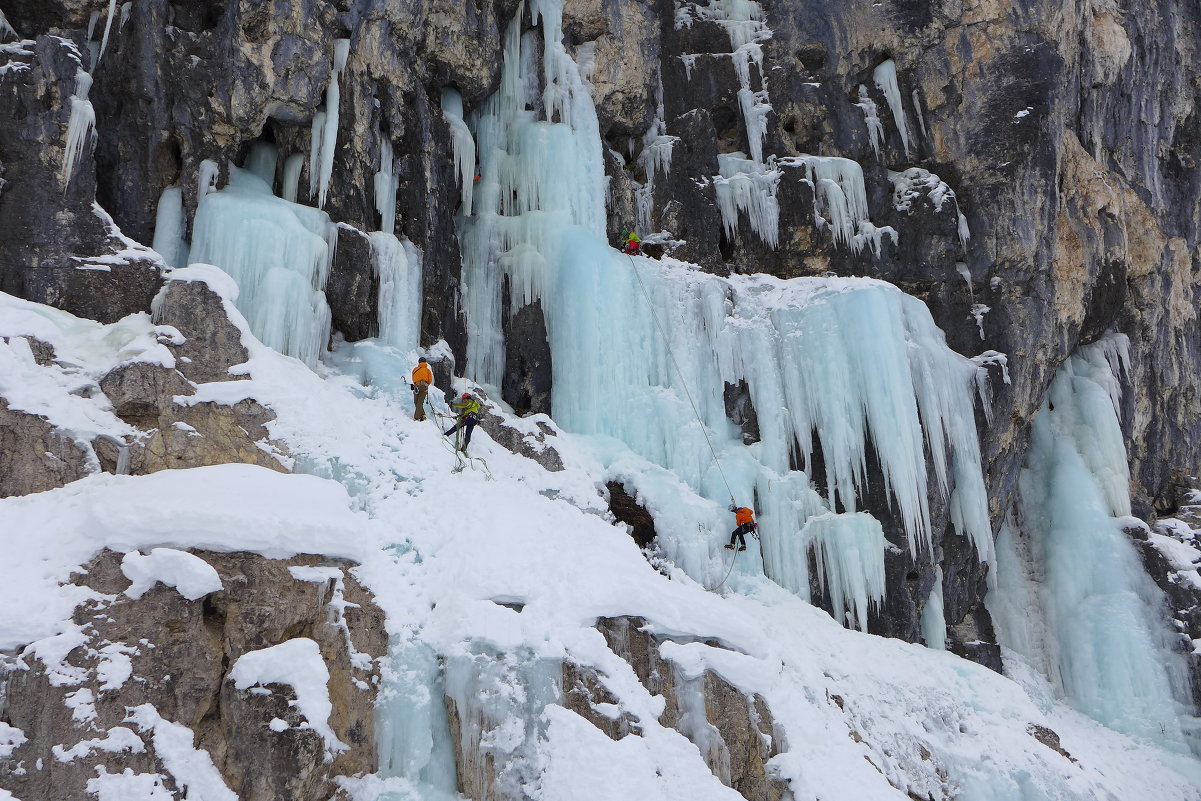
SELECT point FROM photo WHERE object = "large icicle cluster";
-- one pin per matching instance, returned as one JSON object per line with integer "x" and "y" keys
{"x": 841, "y": 201}
{"x": 279, "y": 253}
{"x": 1073, "y": 599}
{"x": 851, "y": 365}
{"x": 745, "y": 183}
{"x": 80, "y": 124}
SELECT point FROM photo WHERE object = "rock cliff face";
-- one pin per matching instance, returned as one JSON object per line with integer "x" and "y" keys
{"x": 1066, "y": 139}
{"x": 148, "y": 672}
{"x": 1038, "y": 165}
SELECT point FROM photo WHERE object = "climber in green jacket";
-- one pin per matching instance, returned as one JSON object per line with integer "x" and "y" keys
{"x": 469, "y": 417}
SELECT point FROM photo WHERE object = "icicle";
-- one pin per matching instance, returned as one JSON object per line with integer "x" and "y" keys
{"x": 840, "y": 196}
{"x": 169, "y": 230}
{"x": 747, "y": 186}
{"x": 386, "y": 185}
{"x": 849, "y": 551}
{"x": 291, "y": 182}
{"x": 871, "y": 118}
{"x": 934, "y": 621}
{"x": 80, "y": 125}
{"x": 108, "y": 26}
{"x": 315, "y": 149}
{"x": 206, "y": 180}
{"x": 885, "y": 76}
{"x": 464, "y": 146}
{"x": 917, "y": 110}
{"x": 325, "y": 142}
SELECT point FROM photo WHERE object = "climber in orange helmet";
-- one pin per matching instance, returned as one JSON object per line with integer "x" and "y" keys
{"x": 745, "y": 519}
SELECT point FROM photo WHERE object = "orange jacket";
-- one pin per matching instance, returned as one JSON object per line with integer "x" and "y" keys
{"x": 422, "y": 374}
{"x": 742, "y": 515}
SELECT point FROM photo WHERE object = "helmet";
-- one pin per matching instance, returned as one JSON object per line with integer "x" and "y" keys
{"x": 733, "y": 508}
{"x": 465, "y": 396}
{"x": 421, "y": 360}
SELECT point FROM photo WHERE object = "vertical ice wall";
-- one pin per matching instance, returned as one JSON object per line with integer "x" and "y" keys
{"x": 847, "y": 364}
{"x": 1073, "y": 598}
{"x": 279, "y": 253}
{"x": 498, "y": 701}
{"x": 412, "y": 730}
{"x": 398, "y": 265}
{"x": 169, "y": 229}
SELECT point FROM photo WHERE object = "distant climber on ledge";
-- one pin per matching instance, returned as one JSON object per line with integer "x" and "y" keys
{"x": 745, "y": 519}
{"x": 630, "y": 243}
{"x": 469, "y": 417}
{"x": 422, "y": 378}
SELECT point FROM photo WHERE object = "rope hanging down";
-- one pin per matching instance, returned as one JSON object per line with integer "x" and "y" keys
{"x": 728, "y": 572}
{"x": 683, "y": 383}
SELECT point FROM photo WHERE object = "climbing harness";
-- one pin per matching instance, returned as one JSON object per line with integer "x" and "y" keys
{"x": 680, "y": 373}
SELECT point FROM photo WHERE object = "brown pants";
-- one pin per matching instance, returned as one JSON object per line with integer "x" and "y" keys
{"x": 419, "y": 393}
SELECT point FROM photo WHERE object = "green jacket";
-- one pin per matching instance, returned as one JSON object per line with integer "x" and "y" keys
{"x": 466, "y": 407}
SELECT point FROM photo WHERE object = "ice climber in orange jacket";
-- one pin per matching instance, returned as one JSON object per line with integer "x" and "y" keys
{"x": 745, "y": 519}
{"x": 422, "y": 378}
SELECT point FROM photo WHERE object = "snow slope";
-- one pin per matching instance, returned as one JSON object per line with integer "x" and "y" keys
{"x": 862, "y": 717}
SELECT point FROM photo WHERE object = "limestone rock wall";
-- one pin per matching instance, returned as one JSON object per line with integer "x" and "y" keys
{"x": 99, "y": 707}
{"x": 1068, "y": 136}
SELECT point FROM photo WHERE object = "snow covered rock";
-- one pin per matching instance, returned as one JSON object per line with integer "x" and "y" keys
{"x": 157, "y": 669}
{"x": 34, "y": 455}
{"x": 194, "y": 301}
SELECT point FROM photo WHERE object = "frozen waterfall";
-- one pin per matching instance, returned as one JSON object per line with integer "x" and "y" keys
{"x": 847, "y": 366}
{"x": 279, "y": 253}
{"x": 1073, "y": 599}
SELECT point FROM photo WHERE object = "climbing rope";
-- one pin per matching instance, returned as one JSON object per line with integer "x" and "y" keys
{"x": 728, "y": 572}
{"x": 683, "y": 382}
{"x": 462, "y": 460}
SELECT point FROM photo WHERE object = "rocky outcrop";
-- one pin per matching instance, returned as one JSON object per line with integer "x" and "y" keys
{"x": 734, "y": 729}
{"x": 60, "y": 247}
{"x": 174, "y": 431}
{"x": 213, "y": 344}
{"x": 145, "y": 685}
{"x": 528, "y": 364}
{"x": 167, "y": 429}
{"x": 34, "y": 455}
{"x": 626, "y": 509}
{"x": 532, "y": 438}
